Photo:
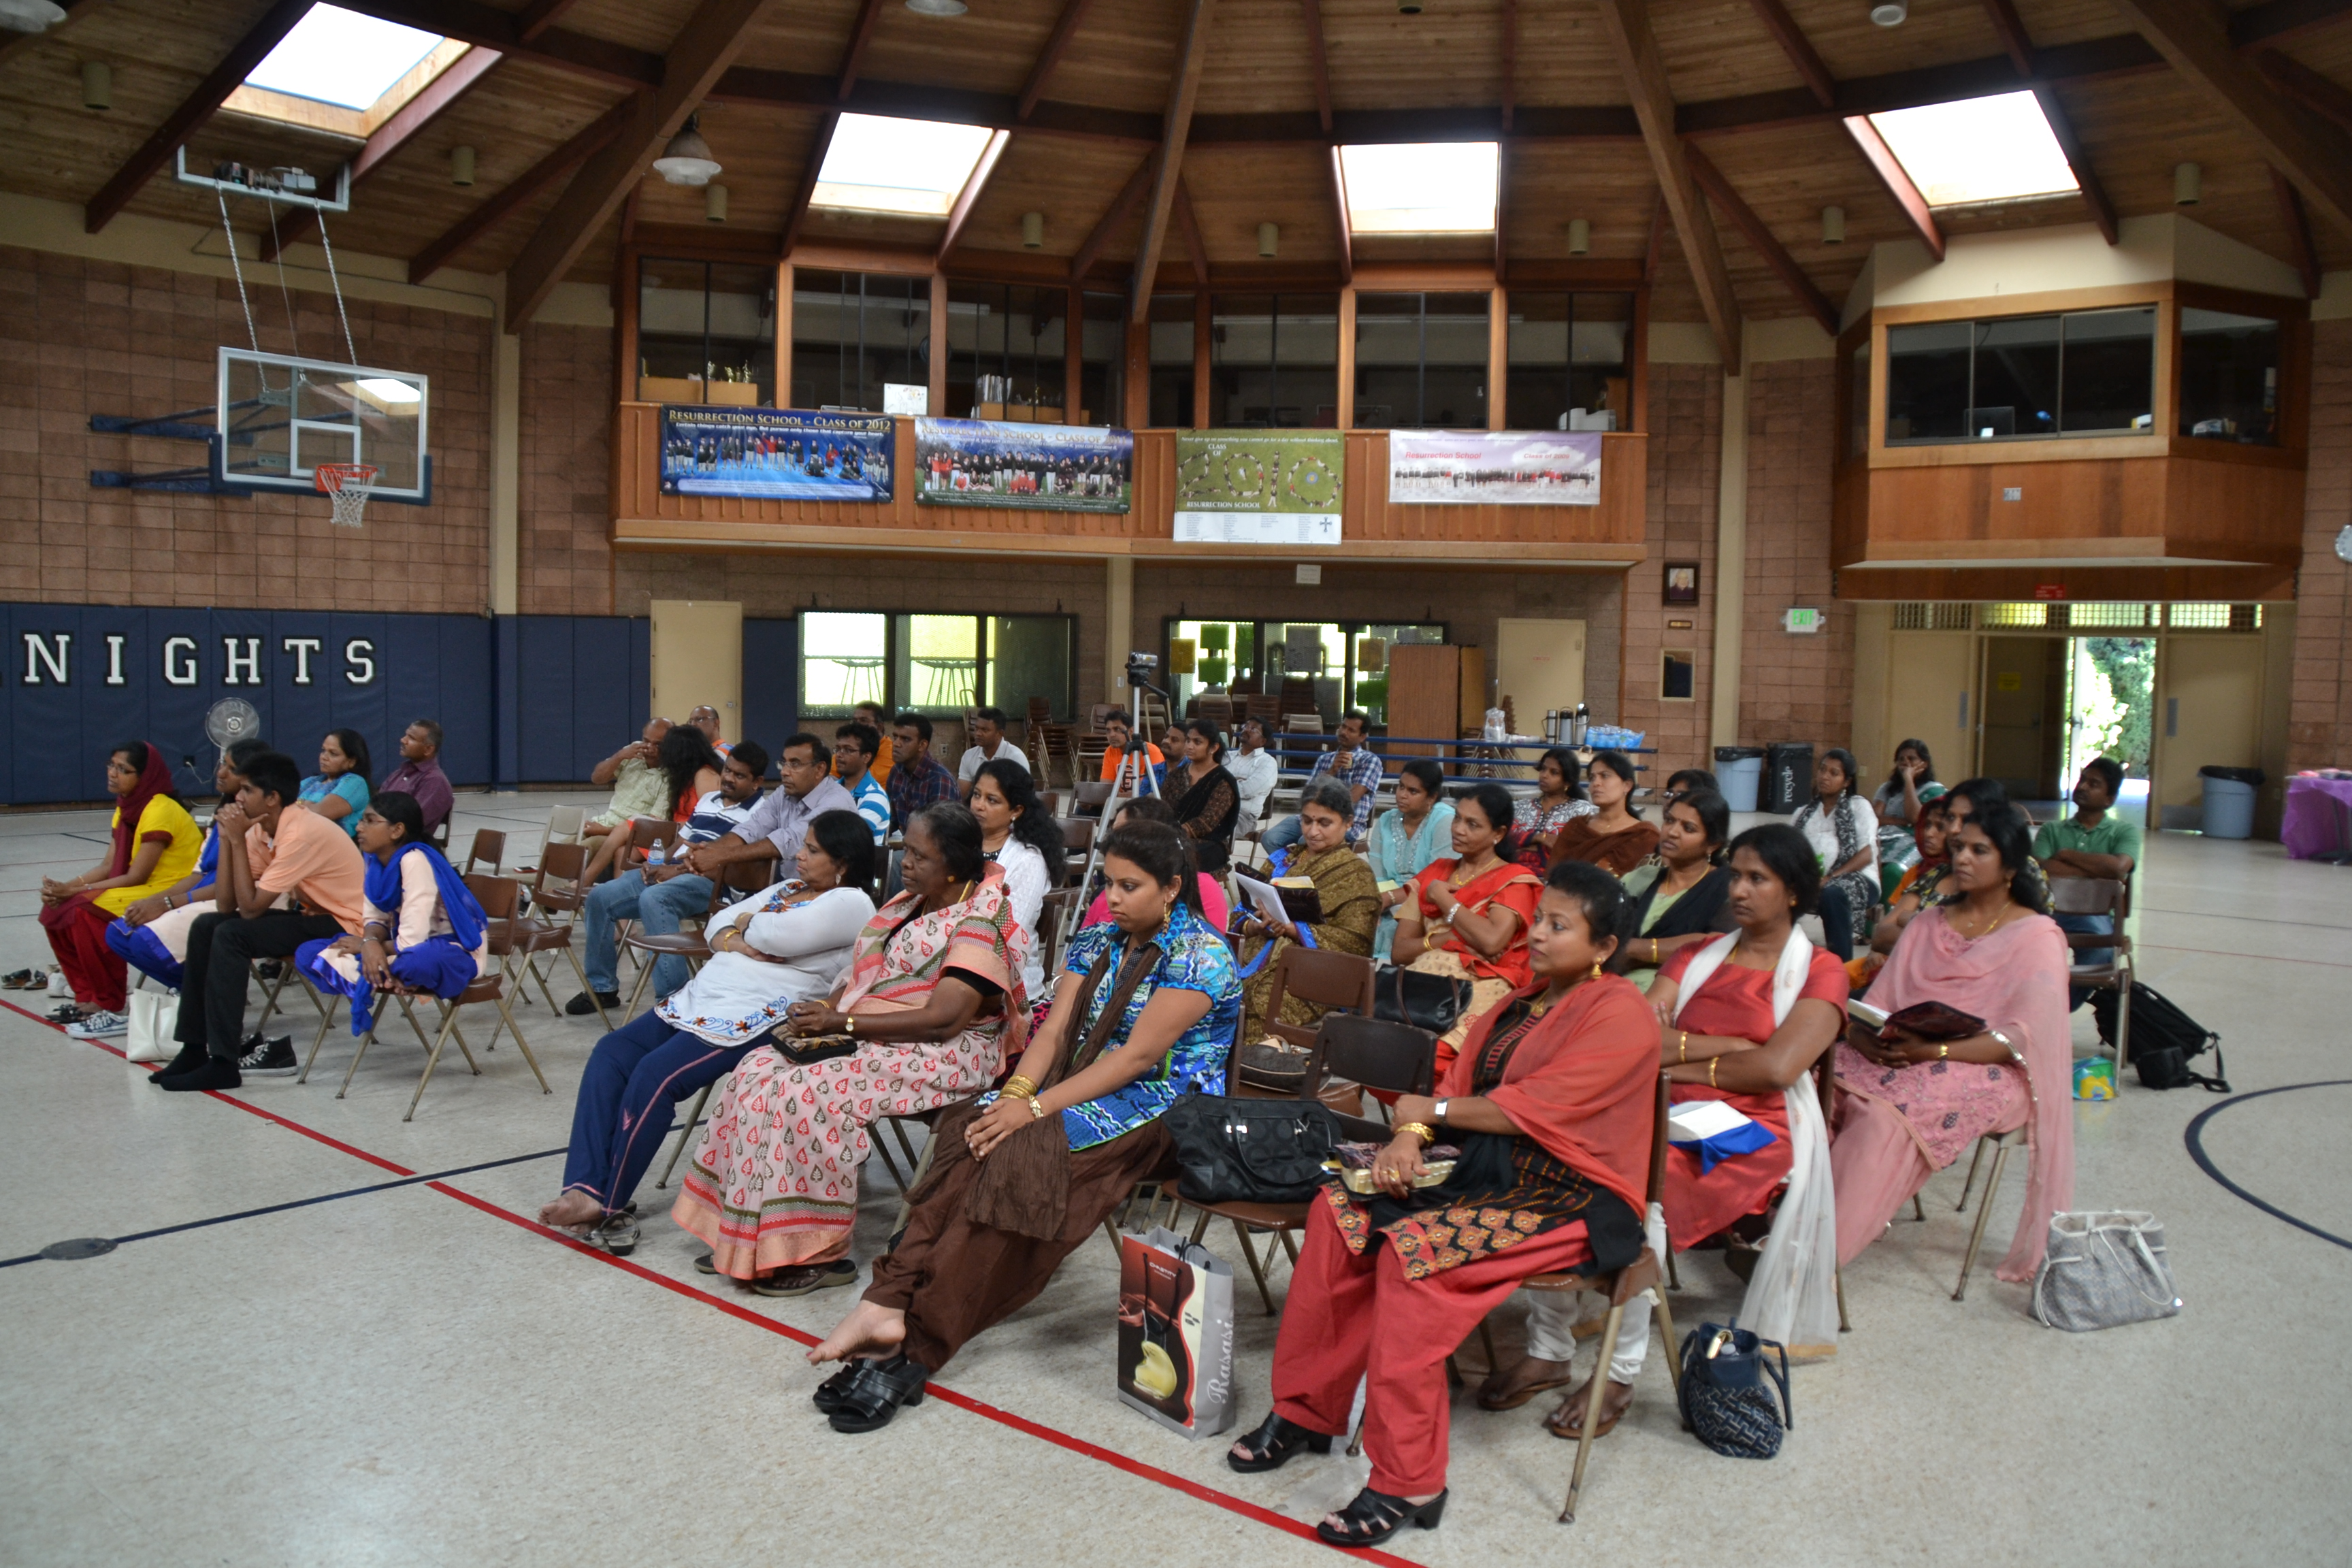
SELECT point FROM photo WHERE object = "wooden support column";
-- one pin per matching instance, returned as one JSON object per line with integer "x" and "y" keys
{"x": 1074, "y": 357}
{"x": 1204, "y": 357}
{"x": 1499, "y": 357}
{"x": 783, "y": 334}
{"x": 1730, "y": 588}
{"x": 938, "y": 367}
{"x": 1346, "y": 414}
{"x": 1136, "y": 365}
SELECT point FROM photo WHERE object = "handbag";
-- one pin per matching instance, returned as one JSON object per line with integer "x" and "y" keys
{"x": 1432, "y": 1001}
{"x": 2103, "y": 1268}
{"x": 153, "y": 1014}
{"x": 1250, "y": 1150}
{"x": 1273, "y": 1063}
{"x": 1725, "y": 1400}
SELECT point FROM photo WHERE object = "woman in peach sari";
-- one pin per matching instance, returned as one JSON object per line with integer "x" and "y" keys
{"x": 1468, "y": 917}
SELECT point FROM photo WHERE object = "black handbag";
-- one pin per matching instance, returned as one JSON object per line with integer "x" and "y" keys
{"x": 1432, "y": 1001}
{"x": 2163, "y": 1039}
{"x": 1725, "y": 1399}
{"x": 1250, "y": 1150}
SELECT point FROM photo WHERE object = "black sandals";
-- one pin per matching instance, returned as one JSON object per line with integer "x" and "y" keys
{"x": 1273, "y": 1444}
{"x": 874, "y": 1394}
{"x": 834, "y": 1389}
{"x": 1373, "y": 1516}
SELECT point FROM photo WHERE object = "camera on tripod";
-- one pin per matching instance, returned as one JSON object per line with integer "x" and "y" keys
{"x": 1143, "y": 669}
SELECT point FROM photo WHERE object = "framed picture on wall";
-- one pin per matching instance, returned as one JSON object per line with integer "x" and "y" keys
{"x": 1682, "y": 583}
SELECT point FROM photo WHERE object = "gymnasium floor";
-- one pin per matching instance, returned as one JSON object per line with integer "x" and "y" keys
{"x": 329, "y": 1337}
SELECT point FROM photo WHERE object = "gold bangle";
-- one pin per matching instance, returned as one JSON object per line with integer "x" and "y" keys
{"x": 1710, "y": 1070}
{"x": 1654, "y": 952}
{"x": 1021, "y": 1087}
{"x": 1682, "y": 1049}
{"x": 1944, "y": 1051}
{"x": 1421, "y": 1129}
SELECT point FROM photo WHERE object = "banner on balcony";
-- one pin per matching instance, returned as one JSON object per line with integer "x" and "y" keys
{"x": 1495, "y": 467}
{"x": 776, "y": 454}
{"x": 1037, "y": 467}
{"x": 1259, "y": 487}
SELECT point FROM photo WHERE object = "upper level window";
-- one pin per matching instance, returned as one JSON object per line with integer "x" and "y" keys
{"x": 1275, "y": 362}
{"x": 1997, "y": 148}
{"x": 1171, "y": 361}
{"x": 2228, "y": 377}
{"x": 1005, "y": 352}
{"x": 707, "y": 329}
{"x": 2086, "y": 372}
{"x": 1421, "y": 361}
{"x": 1567, "y": 354}
{"x": 854, "y": 334}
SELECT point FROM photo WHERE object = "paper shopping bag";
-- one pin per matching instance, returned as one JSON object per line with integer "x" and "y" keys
{"x": 1176, "y": 1332}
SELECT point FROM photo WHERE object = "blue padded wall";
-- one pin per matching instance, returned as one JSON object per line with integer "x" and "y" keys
{"x": 771, "y": 682}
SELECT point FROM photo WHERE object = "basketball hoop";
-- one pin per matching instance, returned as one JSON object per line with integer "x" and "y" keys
{"x": 348, "y": 485}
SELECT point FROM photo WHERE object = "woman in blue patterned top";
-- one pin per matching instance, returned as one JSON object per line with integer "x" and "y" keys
{"x": 1145, "y": 1010}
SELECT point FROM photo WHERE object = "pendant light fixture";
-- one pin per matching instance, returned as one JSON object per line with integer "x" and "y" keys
{"x": 687, "y": 160}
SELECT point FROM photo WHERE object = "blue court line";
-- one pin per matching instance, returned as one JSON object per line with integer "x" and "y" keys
{"x": 2196, "y": 1141}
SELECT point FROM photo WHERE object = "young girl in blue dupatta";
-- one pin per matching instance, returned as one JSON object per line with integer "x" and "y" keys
{"x": 421, "y": 928}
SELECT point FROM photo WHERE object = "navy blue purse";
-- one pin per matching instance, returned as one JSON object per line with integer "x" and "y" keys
{"x": 1725, "y": 1399}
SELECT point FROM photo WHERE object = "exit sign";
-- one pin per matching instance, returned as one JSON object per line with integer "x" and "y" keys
{"x": 1803, "y": 623}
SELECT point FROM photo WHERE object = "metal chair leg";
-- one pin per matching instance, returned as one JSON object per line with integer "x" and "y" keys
{"x": 1202, "y": 1228}
{"x": 1674, "y": 1279}
{"x": 432, "y": 1060}
{"x": 1240, "y": 1233}
{"x": 1674, "y": 1347}
{"x": 685, "y": 1133}
{"x": 1598, "y": 1385}
{"x": 1978, "y": 1159}
{"x": 1290, "y": 1247}
{"x": 2122, "y": 1024}
{"x": 578, "y": 970}
{"x": 1984, "y": 1213}
{"x": 520, "y": 1044}
{"x": 1486, "y": 1343}
{"x": 325, "y": 1025}
{"x": 1845, "y": 1325}
{"x": 1916, "y": 1212}
{"x": 365, "y": 1040}
{"x": 636, "y": 992}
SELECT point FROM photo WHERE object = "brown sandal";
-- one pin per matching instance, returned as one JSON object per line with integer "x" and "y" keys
{"x": 1500, "y": 1391}
{"x": 1568, "y": 1420}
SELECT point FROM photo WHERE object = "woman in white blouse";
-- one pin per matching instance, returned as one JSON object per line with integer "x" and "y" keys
{"x": 774, "y": 948}
{"x": 1019, "y": 834}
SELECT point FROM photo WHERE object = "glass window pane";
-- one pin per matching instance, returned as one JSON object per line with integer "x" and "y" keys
{"x": 1102, "y": 360}
{"x": 714, "y": 321}
{"x": 1368, "y": 677}
{"x": 2228, "y": 377}
{"x": 938, "y": 662}
{"x": 843, "y": 661}
{"x": 1005, "y": 349}
{"x": 1857, "y": 414}
{"x": 2110, "y": 371}
{"x": 2016, "y": 378}
{"x": 1224, "y": 658}
{"x": 1567, "y": 351}
{"x": 1030, "y": 657}
{"x": 1928, "y": 382}
{"x": 1171, "y": 361}
{"x": 1274, "y": 361}
{"x": 855, "y": 332}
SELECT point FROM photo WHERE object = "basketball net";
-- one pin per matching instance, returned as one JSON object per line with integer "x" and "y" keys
{"x": 348, "y": 486}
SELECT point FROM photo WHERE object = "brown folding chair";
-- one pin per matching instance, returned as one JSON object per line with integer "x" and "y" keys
{"x": 1323, "y": 978}
{"x": 740, "y": 877}
{"x": 498, "y": 895}
{"x": 1089, "y": 797}
{"x": 489, "y": 846}
{"x": 1057, "y": 920}
{"x": 1078, "y": 834}
{"x": 2099, "y": 896}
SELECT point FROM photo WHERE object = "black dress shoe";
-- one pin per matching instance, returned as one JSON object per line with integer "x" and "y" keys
{"x": 217, "y": 1072}
{"x": 874, "y": 1395}
{"x": 1273, "y": 1444}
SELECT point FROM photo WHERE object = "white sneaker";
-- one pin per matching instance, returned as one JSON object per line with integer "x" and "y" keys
{"x": 60, "y": 986}
{"x": 99, "y": 1027}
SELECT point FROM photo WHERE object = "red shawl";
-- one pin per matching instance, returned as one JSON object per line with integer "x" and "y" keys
{"x": 1584, "y": 1082}
{"x": 154, "y": 779}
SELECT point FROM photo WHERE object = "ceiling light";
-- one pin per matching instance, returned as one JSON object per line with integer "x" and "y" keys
{"x": 31, "y": 16}
{"x": 1580, "y": 236}
{"x": 687, "y": 160}
{"x": 1032, "y": 230}
{"x": 1407, "y": 7}
{"x": 936, "y": 7}
{"x": 2188, "y": 185}
{"x": 461, "y": 166}
{"x": 1269, "y": 239}
{"x": 714, "y": 203}
{"x": 97, "y": 85}
{"x": 1833, "y": 225}
{"x": 1890, "y": 13}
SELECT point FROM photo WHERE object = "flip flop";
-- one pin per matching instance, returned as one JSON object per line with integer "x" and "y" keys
{"x": 23, "y": 980}
{"x": 1512, "y": 1397}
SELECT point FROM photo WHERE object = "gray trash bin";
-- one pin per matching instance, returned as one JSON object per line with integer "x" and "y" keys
{"x": 2230, "y": 801}
{"x": 1739, "y": 773}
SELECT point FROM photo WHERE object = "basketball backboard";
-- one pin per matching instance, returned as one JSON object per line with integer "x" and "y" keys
{"x": 280, "y": 416}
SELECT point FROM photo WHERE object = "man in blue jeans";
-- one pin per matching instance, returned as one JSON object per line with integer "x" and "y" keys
{"x": 2094, "y": 842}
{"x": 1354, "y": 767}
{"x": 659, "y": 895}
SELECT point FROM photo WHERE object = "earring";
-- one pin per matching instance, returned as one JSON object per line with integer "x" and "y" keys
{"x": 1596, "y": 970}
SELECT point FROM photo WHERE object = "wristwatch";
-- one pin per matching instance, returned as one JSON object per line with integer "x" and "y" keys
{"x": 1438, "y": 1110}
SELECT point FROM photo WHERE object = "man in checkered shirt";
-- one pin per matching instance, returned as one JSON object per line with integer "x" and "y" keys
{"x": 1351, "y": 765}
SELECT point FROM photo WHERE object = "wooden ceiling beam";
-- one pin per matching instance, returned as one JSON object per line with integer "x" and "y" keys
{"x": 1339, "y": 211}
{"x": 1319, "y": 65}
{"x": 1122, "y": 206}
{"x": 2078, "y": 159}
{"x": 540, "y": 15}
{"x": 227, "y": 76}
{"x": 1065, "y": 27}
{"x": 2304, "y": 251}
{"x": 1653, "y": 254}
{"x": 76, "y": 11}
{"x": 2192, "y": 35}
{"x": 853, "y": 56}
{"x": 1188, "y": 224}
{"x": 390, "y": 137}
{"x": 1898, "y": 181}
{"x": 1627, "y": 25}
{"x": 2009, "y": 28}
{"x": 1182, "y": 94}
{"x": 1768, "y": 245}
{"x": 2307, "y": 87}
{"x": 517, "y": 192}
{"x": 796, "y": 218}
{"x": 704, "y": 48}
{"x": 968, "y": 197}
{"x": 1799, "y": 50}
{"x": 1510, "y": 49}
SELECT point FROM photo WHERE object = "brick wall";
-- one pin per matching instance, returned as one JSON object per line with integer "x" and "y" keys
{"x": 80, "y": 337}
{"x": 1792, "y": 688}
{"x": 2319, "y": 721}
{"x": 564, "y": 521}
{"x": 1686, "y": 482}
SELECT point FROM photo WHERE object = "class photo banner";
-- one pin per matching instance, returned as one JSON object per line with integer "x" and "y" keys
{"x": 1495, "y": 467}
{"x": 1259, "y": 487}
{"x": 776, "y": 454}
{"x": 1035, "y": 468}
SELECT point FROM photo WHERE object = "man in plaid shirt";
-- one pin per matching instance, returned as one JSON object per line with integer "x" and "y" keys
{"x": 1353, "y": 767}
{"x": 916, "y": 779}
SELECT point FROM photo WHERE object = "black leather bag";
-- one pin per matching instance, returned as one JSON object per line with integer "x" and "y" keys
{"x": 2163, "y": 1039}
{"x": 1250, "y": 1150}
{"x": 1725, "y": 1398}
{"x": 1432, "y": 1001}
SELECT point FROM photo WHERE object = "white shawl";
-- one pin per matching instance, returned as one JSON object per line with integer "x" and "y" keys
{"x": 1792, "y": 1296}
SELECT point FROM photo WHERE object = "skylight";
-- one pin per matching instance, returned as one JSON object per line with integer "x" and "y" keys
{"x": 1978, "y": 150}
{"x": 1421, "y": 187}
{"x": 914, "y": 166}
{"x": 339, "y": 56}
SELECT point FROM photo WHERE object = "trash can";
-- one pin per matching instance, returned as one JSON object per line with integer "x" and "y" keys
{"x": 2230, "y": 801}
{"x": 1739, "y": 773}
{"x": 1788, "y": 776}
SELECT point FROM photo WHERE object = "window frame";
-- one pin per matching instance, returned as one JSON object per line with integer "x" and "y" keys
{"x": 897, "y": 663}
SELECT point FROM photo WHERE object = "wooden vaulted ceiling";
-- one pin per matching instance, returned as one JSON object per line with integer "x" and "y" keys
{"x": 1711, "y": 130}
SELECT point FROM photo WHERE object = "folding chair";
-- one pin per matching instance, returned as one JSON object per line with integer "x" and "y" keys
{"x": 694, "y": 946}
{"x": 1078, "y": 834}
{"x": 1056, "y": 919}
{"x": 2100, "y": 896}
{"x": 489, "y": 845}
{"x": 1089, "y": 797}
{"x": 2003, "y": 1145}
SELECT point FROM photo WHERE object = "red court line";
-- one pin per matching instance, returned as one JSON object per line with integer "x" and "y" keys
{"x": 1002, "y": 1417}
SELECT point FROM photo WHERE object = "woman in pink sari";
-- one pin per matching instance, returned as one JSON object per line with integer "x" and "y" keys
{"x": 933, "y": 1003}
{"x": 1910, "y": 1107}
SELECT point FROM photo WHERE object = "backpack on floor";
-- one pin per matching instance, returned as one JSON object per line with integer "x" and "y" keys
{"x": 2163, "y": 1039}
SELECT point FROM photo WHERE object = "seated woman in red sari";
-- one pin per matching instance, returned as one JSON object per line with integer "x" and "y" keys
{"x": 1743, "y": 1020}
{"x": 1468, "y": 917}
{"x": 1550, "y": 1103}
{"x": 1911, "y": 1106}
{"x": 932, "y": 1001}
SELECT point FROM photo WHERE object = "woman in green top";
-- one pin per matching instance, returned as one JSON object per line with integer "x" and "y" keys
{"x": 1405, "y": 840}
{"x": 1679, "y": 897}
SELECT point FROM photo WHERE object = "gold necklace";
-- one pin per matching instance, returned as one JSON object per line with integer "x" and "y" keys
{"x": 1999, "y": 915}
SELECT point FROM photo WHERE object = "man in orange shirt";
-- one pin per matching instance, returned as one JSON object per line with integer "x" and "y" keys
{"x": 270, "y": 849}
{"x": 1120, "y": 737}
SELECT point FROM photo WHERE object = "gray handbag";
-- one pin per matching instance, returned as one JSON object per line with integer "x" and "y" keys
{"x": 2104, "y": 1267}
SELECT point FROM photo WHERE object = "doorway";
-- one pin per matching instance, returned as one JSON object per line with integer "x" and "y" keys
{"x": 698, "y": 661}
{"x": 1540, "y": 665}
{"x": 2110, "y": 704}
